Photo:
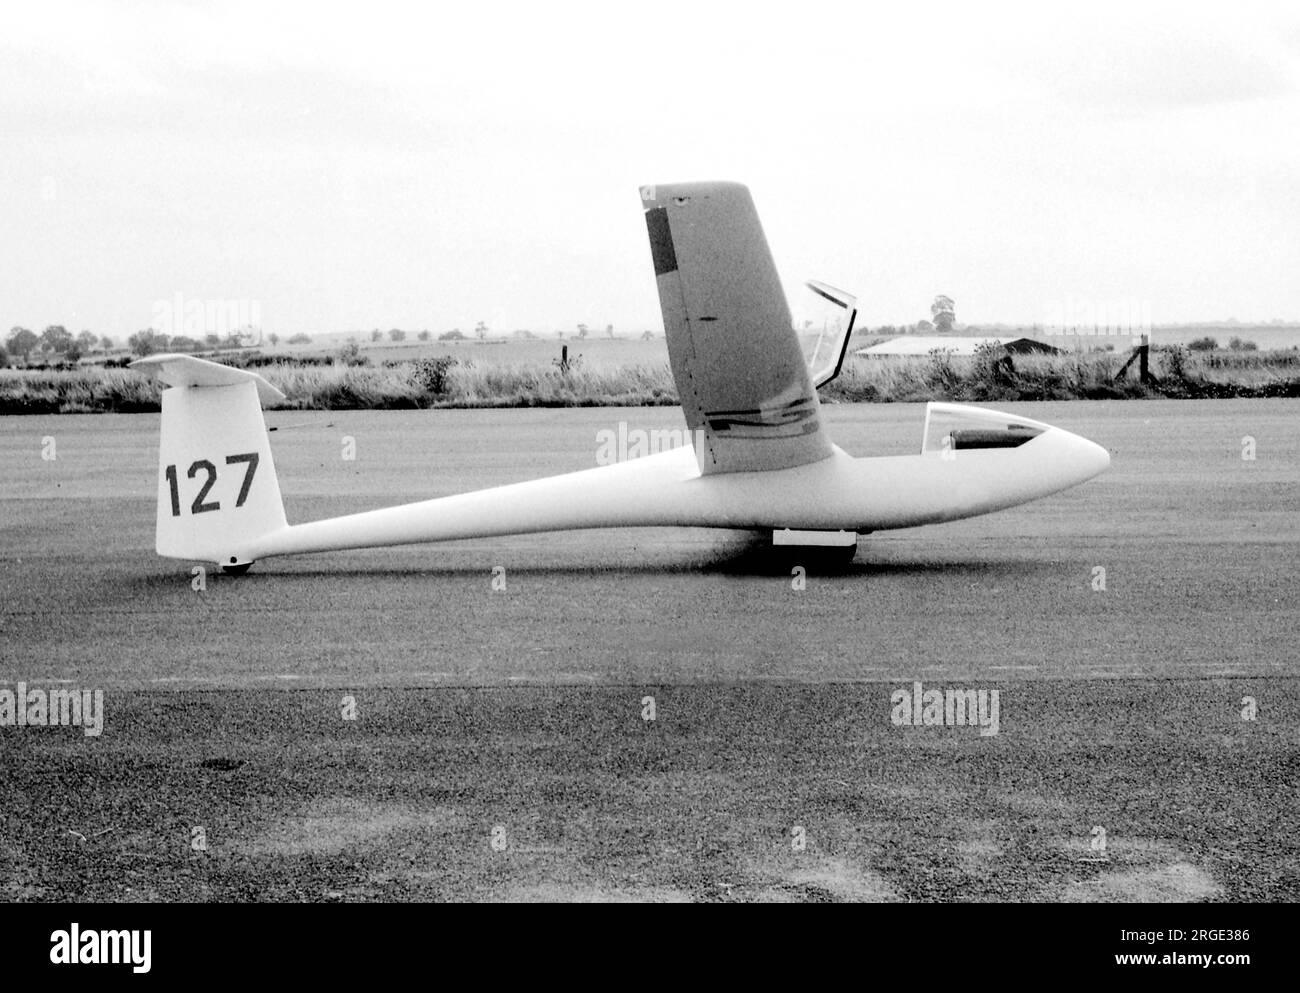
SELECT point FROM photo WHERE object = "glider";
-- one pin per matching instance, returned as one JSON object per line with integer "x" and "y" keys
{"x": 760, "y": 458}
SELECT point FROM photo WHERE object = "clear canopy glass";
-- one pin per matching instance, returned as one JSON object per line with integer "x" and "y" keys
{"x": 952, "y": 428}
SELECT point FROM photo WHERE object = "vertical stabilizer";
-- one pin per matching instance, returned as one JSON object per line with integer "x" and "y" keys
{"x": 217, "y": 488}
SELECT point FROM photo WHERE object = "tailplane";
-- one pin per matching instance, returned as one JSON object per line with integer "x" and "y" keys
{"x": 217, "y": 489}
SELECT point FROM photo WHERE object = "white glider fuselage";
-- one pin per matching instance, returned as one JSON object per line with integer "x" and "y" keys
{"x": 839, "y": 493}
{"x": 760, "y": 459}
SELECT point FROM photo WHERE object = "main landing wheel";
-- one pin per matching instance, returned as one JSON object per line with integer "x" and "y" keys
{"x": 235, "y": 568}
{"x": 835, "y": 549}
{"x": 826, "y": 557}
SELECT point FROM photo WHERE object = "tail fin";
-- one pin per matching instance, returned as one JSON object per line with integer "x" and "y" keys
{"x": 217, "y": 490}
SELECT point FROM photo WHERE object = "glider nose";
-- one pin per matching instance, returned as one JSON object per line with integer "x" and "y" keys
{"x": 1087, "y": 458}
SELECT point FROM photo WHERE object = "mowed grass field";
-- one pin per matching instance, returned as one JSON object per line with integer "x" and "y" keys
{"x": 619, "y": 372}
{"x": 596, "y": 350}
{"x": 501, "y": 747}
{"x": 629, "y": 348}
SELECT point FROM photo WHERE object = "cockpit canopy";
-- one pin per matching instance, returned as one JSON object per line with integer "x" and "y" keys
{"x": 951, "y": 428}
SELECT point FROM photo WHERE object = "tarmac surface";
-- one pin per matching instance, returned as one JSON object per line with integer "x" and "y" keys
{"x": 500, "y": 745}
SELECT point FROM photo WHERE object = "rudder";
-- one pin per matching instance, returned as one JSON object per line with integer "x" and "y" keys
{"x": 217, "y": 487}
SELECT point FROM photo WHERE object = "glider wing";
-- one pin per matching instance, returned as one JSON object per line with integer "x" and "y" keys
{"x": 739, "y": 368}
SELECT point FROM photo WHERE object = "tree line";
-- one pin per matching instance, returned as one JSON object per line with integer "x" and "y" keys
{"x": 54, "y": 340}
{"x": 58, "y": 343}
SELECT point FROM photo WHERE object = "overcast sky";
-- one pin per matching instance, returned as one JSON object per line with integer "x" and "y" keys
{"x": 373, "y": 166}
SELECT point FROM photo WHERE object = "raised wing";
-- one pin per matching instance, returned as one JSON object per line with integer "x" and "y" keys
{"x": 737, "y": 362}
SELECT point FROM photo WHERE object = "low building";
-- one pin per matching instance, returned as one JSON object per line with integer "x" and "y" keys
{"x": 911, "y": 344}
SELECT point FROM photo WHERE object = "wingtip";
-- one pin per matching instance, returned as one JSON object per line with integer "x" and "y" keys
{"x": 660, "y": 194}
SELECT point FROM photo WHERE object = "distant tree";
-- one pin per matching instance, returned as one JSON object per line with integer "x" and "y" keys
{"x": 943, "y": 312}
{"x": 560, "y": 335}
{"x": 923, "y": 327}
{"x": 181, "y": 343}
{"x": 376, "y": 334}
{"x": 397, "y": 334}
{"x": 21, "y": 342}
{"x": 146, "y": 342}
{"x": 56, "y": 338}
{"x": 423, "y": 335}
{"x": 582, "y": 331}
{"x": 213, "y": 341}
{"x": 106, "y": 343}
{"x": 1206, "y": 344}
{"x": 86, "y": 342}
{"x": 609, "y": 330}
{"x": 4, "y": 358}
{"x": 480, "y": 330}
{"x": 305, "y": 339}
{"x": 454, "y": 335}
{"x": 273, "y": 338}
{"x": 647, "y": 335}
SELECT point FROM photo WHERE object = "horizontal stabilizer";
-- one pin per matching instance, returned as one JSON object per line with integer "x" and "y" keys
{"x": 186, "y": 370}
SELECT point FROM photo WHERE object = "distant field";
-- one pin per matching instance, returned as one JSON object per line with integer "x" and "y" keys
{"x": 603, "y": 352}
{"x": 1264, "y": 336}
{"x": 633, "y": 350}
{"x": 636, "y": 372}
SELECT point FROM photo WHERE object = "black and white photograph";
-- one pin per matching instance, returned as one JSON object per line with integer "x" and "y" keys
{"x": 665, "y": 453}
